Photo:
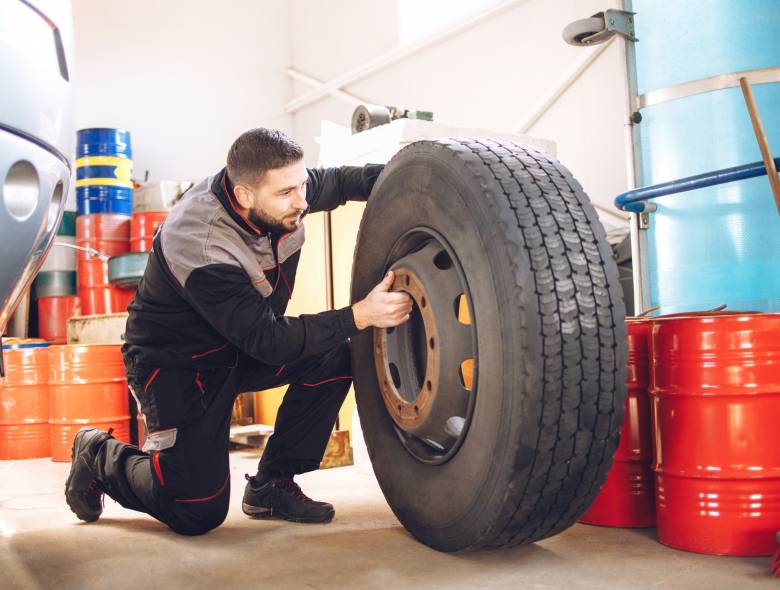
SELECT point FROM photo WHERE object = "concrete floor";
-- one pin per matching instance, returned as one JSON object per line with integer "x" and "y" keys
{"x": 43, "y": 546}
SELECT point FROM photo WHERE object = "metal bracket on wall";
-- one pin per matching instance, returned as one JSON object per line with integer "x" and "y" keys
{"x": 600, "y": 28}
{"x": 620, "y": 22}
{"x": 644, "y": 217}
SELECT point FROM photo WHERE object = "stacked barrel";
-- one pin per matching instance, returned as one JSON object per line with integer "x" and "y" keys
{"x": 87, "y": 388}
{"x": 24, "y": 400}
{"x": 50, "y": 392}
{"x": 715, "y": 389}
{"x": 701, "y": 424}
{"x": 104, "y": 192}
{"x": 55, "y": 286}
{"x": 627, "y": 498}
{"x": 108, "y": 234}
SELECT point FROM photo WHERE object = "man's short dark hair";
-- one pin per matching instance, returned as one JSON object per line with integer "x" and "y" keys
{"x": 257, "y": 151}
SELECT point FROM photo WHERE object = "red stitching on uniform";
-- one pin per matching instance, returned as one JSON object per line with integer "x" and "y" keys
{"x": 157, "y": 468}
{"x": 326, "y": 381}
{"x": 279, "y": 372}
{"x": 213, "y": 350}
{"x": 284, "y": 277}
{"x": 222, "y": 489}
{"x": 152, "y": 377}
{"x": 199, "y": 383}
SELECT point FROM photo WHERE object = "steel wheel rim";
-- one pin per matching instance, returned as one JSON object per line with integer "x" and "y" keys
{"x": 429, "y": 396}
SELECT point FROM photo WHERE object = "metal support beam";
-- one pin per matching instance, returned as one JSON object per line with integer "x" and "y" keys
{"x": 566, "y": 82}
{"x": 391, "y": 57}
{"x": 340, "y": 94}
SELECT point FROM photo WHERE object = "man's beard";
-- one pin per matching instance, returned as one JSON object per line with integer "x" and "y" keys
{"x": 261, "y": 219}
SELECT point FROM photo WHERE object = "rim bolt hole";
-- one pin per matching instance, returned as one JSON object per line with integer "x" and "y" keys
{"x": 429, "y": 385}
{"x": 431, "y": 342}
{"x": 422, "y": 302}
{"x": 416, "y": 411}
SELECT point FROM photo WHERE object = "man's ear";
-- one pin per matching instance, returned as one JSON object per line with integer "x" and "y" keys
{"x": 243, "y": 196}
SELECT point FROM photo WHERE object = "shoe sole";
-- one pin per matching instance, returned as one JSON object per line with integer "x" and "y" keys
{"x": 271, "y": 514}
{"x": 70, "y": 476}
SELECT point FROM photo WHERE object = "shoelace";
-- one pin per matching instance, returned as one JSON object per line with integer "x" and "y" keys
{"x": 287, "y": 484}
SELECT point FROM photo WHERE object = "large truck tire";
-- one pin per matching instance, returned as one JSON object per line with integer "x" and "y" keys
{"x": 492, "y": 415}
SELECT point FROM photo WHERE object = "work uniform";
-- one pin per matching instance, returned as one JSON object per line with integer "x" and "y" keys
{"x": 208, "y": 323}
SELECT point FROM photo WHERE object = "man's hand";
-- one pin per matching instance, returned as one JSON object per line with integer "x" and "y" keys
{"x": 382, "y": 308}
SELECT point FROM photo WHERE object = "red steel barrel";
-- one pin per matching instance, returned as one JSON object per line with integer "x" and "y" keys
{"x": 53, "y": 315}
{"x": 87, "y": 388}
{"x": 96, "y": 294}
{"x": 715, "y": 390}
{"x": 121, "y": 298}
{"x": 142, "y": 228}
{"x": 109, "y": 234}
{"x": 24, "y": 400}
{"x": 627, "y": 498}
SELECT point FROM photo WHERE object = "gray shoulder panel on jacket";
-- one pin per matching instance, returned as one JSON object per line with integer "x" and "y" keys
{"x": 199, "y": 232}
{"x": 187, "y": 230}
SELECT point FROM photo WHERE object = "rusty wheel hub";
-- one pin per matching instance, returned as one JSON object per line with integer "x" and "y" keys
{"x": 420, "y": 364}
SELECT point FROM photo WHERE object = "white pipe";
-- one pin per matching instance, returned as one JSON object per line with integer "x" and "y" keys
{"x": 610, "y": 212}
{"x": 391, "y": 57}
{"x": 566, "y": 82}
{"x": 340, "y": 94}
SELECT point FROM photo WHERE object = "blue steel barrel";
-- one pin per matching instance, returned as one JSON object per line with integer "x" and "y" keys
{"x": 103, "y": 141}
{"x": 104, "y": 199}
{"x": 104, "y": 168}
{"x": 719, "y": 244}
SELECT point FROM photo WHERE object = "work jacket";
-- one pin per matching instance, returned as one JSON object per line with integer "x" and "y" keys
{"x": 217, "y": 286}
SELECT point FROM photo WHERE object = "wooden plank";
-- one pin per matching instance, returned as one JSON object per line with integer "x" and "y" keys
{"x": 338, "y": 453}
{"x": 763, "y": 142}
{"x": 97, "y": 329}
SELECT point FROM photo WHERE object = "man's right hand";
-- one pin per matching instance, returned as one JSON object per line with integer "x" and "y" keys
{"x": 382, "y": 307}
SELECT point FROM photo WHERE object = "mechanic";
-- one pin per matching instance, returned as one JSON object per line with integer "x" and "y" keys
{"x": 208, "y": 323}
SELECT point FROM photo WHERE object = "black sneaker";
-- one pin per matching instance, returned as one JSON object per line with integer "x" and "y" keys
{"x": 82, "y": 489}
{"x": 281, "y": 497}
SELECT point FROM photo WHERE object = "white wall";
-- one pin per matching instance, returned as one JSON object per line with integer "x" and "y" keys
{"x": 492, "y": 76}
{"x": 186, "y": 77}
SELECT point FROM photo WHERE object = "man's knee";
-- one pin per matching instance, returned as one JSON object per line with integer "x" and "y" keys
{"x": 198, "y": 522}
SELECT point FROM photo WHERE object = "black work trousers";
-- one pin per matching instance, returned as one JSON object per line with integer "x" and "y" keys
{"x": 187, "y": 484}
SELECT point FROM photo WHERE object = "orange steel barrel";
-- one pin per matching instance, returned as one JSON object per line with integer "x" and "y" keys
{"x": 24, "y": 400}
{"x": 95, "y": 292}
{"x": 53, "y": 315}
{"x": 627, "y": 498}
{"x": 121, "y": 298}
{"x": 109, "y": 234}
{"x": 87, "y": 388}
{"x": 715, "y": 390}
{"x": 142, "y": 228}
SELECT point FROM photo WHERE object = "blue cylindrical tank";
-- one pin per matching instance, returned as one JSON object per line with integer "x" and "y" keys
{"x": 104, "y": 168}
{"x": 720, "y": 244}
